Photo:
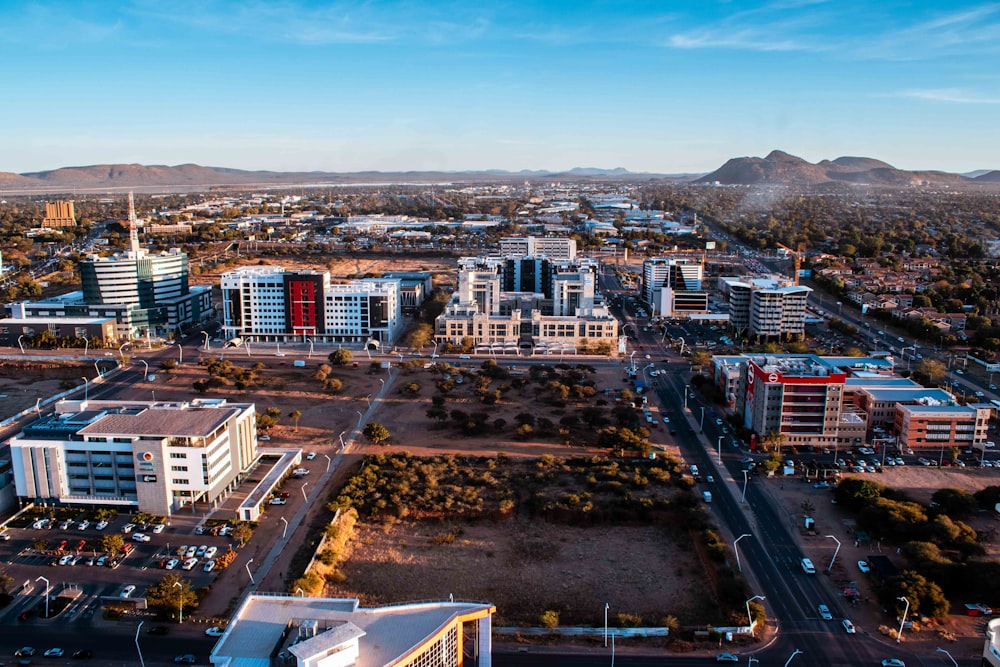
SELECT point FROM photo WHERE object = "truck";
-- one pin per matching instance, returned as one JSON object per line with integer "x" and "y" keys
{"x": 706, "y": 496}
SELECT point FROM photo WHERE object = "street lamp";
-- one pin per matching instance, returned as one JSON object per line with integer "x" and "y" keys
{"x": 180, "y": 603}
{"x": 368, "y": 399}
{"x": 86, "y": 388}
{"x": 835, "y": 552}
{"x": 145, "y": 372}
{"x": 605, "y": 625}
{"x": 180, "y": 352}
{"x": 249, "y": 572}
{"x": 382, "y": 382}
{"x": 906, "y": 612}
{"x": 285, "y": 529}
{"x": 142, "y": 663}
{"x": 342, "y": 445}
{"x": 19, "y": 344}
{"x": 743, "y": 498}
{"x": 301, "y": 592}
{"x": 686, "y": 396}
{"x": 46, "y": 594}
{"x": 304, "y": 485}
{"x": 950, "y": 657}
{"x": 205, "y": 334}
{"x": 739, "y": 567}
{"x": 360, "y": 417}
{"x": 750, "y": 618}
{"x": 720, "y": 450}
{"x": 310, "y": 348}
{"x": 328, "y": 462}
{"x": 121, "y": 350}
{"x": 795, "y": 653}
{"x": 86, "y": 344}
{"x": 701, "y": 426}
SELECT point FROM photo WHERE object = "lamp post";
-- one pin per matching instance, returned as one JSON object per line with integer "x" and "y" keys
{"x": 205, "y": 334}
{"x": 686, "y": 396}
{"x": 301, "y": 592}
{"x": 381, "y": 382}
{"x": 368, "y": 399}
{"x": 121, "y": 350}
{"x": 701, "y": 426}
{"x": 284, "y": 530}
{"x": 142, "y": 663}
{"x": 310, "y": 348}
{"x": 950, "y": 657}
{"x": 342, "y": 445}
{"x": 86, "y": 388}
{"x": 145, "y": 372}
{"x": 328, "y": 462}
{"x": 86, "y": 344}
{"x": 794, "y": 653}
{"x": 750, "y": 618}
{"x": 434, "y": 352}
{"x": 360, "y": 417}
{"x": 98, "y": 368}
{"x": 249, "y": 572}
{"x": 180, "y": 352}
{"x": 180, "y": 603}
{"x": 906, "y": 612}
{"x": 835, "y": 552}
{"x": 46, "y": 594}
{"x": 739, "y": 568}
{"x": 631, "y": 361}
{"x": 304, "y": 485}
{"x": 605, "y": 625}
{"x": 720, "y": 450}
{"x": 19, "y": 344}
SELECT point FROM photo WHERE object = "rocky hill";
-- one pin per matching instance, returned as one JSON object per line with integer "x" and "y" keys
{"x": 780, "y": 168}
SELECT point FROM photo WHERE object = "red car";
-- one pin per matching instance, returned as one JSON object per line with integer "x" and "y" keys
{"x": 284, "y": 494}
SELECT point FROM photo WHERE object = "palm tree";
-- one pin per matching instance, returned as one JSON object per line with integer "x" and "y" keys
{"x": 294, "y": 416}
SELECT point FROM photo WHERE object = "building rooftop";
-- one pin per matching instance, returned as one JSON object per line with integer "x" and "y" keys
{"x": 386, "y": 634}
{"x": 933, "y": 410}
{"x": 162, "y": 421}
{"x": 929, "y": 396}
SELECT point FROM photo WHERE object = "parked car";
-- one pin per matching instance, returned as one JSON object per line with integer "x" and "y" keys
{"x": 190, "y": 552}
{"x": 211, "y": 551}
{"x": 159, "y": 528}
{"x": 128, "y": 527}
{"x": 726, "y": 657}
{"x": 201, "y": 551}
{"x": 824, "y": 613}
{"x": 24, "y": 652}
{"x": 189, "y": 564}
{"x": 209, "y": 566}
{"x": 848, "y": 627}
{"x": 141, "y": 537}
{"x": 186, "y": 659}
{"x": 83, "y": 525}
{"x": 310, "y": 456}
{"x": 127, "y": 591}
{"x": 277, "y": 501}
{"x": 864, "y": 567}
{"x": 54, "y": 653}
{"x": 83, "y": 654}
{"x": 172, "y": 564}
{"x": 5, "y": 537}
{"x": 893, "y": 662}
{"x": 214, "y": 631}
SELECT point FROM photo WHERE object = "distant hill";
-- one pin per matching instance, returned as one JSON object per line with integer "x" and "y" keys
{"x": 988, "y": 177}
{"x": 108, "y": 177}
{"x": 780, "y": 168}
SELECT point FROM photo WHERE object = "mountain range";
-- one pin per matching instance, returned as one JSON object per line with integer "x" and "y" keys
{"x": 778, "y": 168}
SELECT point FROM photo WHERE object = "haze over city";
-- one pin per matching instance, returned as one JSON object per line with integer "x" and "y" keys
{"x": 455, "y": 86}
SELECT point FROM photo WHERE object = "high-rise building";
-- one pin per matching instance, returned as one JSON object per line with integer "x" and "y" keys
{"x": 59, "y": 214}
{"x": 672, "y": 286}
{"x": 766, "y": 308}
{"x": 271, "y": 304}
{"x": 147, "y": 293}
{"x": 552, "y": 248}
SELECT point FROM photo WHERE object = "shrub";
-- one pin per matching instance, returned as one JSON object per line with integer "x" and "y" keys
{"x": 549, "y": 619}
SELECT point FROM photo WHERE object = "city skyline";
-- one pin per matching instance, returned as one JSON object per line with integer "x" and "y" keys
{"x": 299, "y": 85}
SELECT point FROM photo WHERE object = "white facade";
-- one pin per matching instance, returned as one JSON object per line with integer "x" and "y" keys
{"x": 272, "y": 304}
{"x": 156, "y": 457}
{"x": 553, "y": 248}
{"x": 765, "y": 307}
{"x": 677, "y": 273}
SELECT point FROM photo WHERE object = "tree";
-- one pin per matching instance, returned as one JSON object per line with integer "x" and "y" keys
{"x": 932, "y": 369}
{"x": 376, "y": 433}
{"x": 5, "y": 583}
{"x": 112, "y": 543}
{"x": 242, "y": 531}
{"x": 340, "y": 357}
{"x": 171, "y": 595}
{"x": 422, "y": 336}
{"x": 294, "y": 416}
{"x": 925, "y": 596}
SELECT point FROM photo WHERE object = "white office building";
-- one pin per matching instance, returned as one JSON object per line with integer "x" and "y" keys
{"x": 766, "y": 308}
{"x": 271, "y": 304}
{"x": 147, "y": 456}
{"x": 553, "y": 248}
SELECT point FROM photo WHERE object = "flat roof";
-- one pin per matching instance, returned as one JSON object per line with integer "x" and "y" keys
{"x": 258, "y": 627}
{"x": 62, "y": 320}
{"x": 930, "y": 410}
{"x": 163, "y": 422}
{"x": 910, "y": 395}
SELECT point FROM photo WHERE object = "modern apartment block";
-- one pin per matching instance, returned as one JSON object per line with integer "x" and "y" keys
{"x": 526, "y": 302}
{"x": 292, "y": 631}
{"x": 766, "y": 308}
{"x": 147, "y": 293}
{"x": 938, "y": 426}
{"x": 678, "y": 273}
{"x": 556, "y": 249}
{"x": 153, "y": 457}
{"x": 268, "y": 303}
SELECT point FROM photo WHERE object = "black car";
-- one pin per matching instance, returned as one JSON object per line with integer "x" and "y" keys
{"x": 83, "y": 654}
{"x": 158, "y": 630}
{"x": 186, "y": 659}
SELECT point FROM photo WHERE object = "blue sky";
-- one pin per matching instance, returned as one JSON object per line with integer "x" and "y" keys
{"x": 419, "y": 85}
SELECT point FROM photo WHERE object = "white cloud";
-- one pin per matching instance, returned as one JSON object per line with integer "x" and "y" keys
{"x": 949, "y": 95}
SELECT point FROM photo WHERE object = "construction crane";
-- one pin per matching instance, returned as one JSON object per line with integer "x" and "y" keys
{"x": 797, "y": 256}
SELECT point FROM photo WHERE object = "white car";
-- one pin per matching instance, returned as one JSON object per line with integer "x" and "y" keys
{"x": 83, "y": 525}
{"x": 310, "y": 456}
{"x": 201, "y": 551}
{"x": 127, "y": 591}
{"x": 189, "y": 564}
{"x": 172, "y": 564}
{"x": 277, "y": 501}
{"x": 824, "y": 613}
{"x": 864, "y": 567}
{"x": 211, "y": 551}
{"x": 159, "y": 528}
{"x": 141, "y": 537}
{"x": 128, "y": 528}
{"x": 66, "y": 560}
{"x": 209, "y": 566}
{"x": 215, "y": 631}
{"x": 101, "y": 525}
{"x": 849, "y": 627}
{"x": 190, "y": 552}
{"x": 5, "y": 537}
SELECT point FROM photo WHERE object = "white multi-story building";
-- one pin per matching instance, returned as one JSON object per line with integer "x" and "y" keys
{"x": 272, "y": 304}
{"x": 557, "y": 249}
{"x": 154, "y": 457}
{"x": 527, "y": 302}
{"x": 672, "y": 286}
{"x": 766, "y": 308}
